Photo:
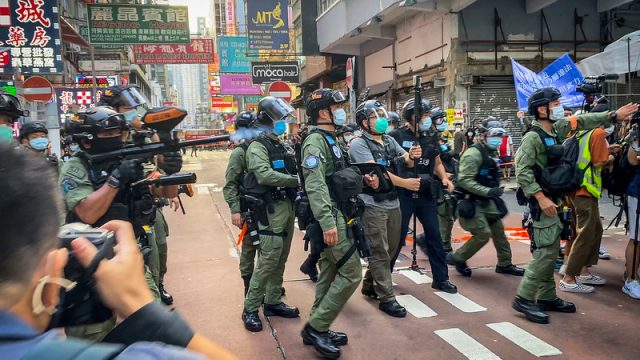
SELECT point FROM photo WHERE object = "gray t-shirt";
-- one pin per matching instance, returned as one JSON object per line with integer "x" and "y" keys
{"x": 359, "y": 152}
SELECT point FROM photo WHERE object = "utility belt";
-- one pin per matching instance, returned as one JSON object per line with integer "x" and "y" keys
{"x": 390, "y": 196}
{"x": 467, "y": 203}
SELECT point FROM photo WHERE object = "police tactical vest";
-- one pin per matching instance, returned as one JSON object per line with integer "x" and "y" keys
{"x": 385, "y": 157}
{"x": 430, "y": 150}
{"x": 280, "y": 161}
{"x": 488, "y": 174}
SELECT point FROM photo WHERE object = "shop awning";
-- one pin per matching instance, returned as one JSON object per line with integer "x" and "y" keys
{"x": 70, "y": 35}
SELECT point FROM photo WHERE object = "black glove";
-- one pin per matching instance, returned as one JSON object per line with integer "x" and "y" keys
{"x": 128, "y": 172}
{"x": 495, "y": 192}
{"x": 171, "y": 162}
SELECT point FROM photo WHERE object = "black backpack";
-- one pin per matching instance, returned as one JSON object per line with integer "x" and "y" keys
{"x": 618, "y": 179}
{"x": 562, "y": 175}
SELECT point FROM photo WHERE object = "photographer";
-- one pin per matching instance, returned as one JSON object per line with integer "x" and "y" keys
{"x": 31, "y": 275}
{"x": 631, "y": 284}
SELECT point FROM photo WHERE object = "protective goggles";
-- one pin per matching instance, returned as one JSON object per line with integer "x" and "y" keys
{"x": 279, "y": 109}
{"x": 338, "y": 97}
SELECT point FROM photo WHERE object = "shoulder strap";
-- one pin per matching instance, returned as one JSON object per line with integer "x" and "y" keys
{"x": 73, "y": 349}
{"x": 486, "y": 159}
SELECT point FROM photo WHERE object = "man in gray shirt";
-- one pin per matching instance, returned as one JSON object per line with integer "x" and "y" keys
{"x": 382, "y": 214}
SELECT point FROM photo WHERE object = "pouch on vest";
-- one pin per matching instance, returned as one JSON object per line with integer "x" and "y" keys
{"x": 346, "y": 183}
{"x": 466, "y": 208}
{"x": 501, "y": 206}
{"x": 561, "y": 175}
{"x": 302, "y": 209}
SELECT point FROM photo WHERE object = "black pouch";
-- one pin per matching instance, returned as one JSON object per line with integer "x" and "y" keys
{"x": 466, "y": 209}
{"x": 346, "y": 183}
{"x": 314, "y": 235}
{"x": 521, "y": 197}
{"x": 302, "y": 209}
{"x": 502, "y": 206}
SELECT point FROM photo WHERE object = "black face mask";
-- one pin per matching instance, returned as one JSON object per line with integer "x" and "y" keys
{"x": 100, "y": 145}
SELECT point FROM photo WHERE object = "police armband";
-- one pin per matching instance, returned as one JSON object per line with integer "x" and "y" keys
{"x": 154, "y": 323}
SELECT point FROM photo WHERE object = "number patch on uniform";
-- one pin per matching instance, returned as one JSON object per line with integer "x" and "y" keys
{"x": 330, "y": 140}
{"x": 407, "y": 144}
{"x": 549, "y": 141}
{"x": 278, "y": 164}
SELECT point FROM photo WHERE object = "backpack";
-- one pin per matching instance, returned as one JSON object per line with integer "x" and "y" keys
{"x": 562, "y": 175}
{"x": 618, "y": 179}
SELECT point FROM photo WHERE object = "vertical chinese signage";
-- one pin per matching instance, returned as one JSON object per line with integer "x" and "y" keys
{"x": 138, "y": 24}
{"x": 231, "y": 18}
{"x": 198, "y": 51}
{"x": 268, "y": 24}
{"x": 72, "y": 100}
{"x": 232, "y": 52}
{"x": 29, "y": 37}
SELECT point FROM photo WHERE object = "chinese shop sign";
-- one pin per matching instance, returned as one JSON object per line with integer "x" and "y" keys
{"x": 29, "y": 37}
{"x": 138, "y": 24}
{"x": 233, "y": 57}
{"x": 71, "y": 100}
{"x": 267, "y": 24}
{"x": 198, "y": 51}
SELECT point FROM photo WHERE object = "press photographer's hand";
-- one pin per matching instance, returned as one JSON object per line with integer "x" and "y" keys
{"x": 120, "y": 281}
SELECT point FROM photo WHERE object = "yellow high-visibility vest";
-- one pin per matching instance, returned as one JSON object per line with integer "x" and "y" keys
{"x": 592, "y": 178}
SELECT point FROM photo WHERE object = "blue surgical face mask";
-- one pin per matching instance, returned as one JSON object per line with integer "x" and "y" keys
{"x": 445, "y": 147}
{"x": 494, "y": 142}
{"x": 74, "y": 147}
{"x": 130, "y": 115}
{"x": 339, "y": 117}
{"x": 39, "y": 144}
{"x": 557, "y": 113}
{"x": 425, "y": 124}
{"x": 6, "y": 134}
{"x": 442, "y": 127}
{"x": 279, "y": 127}
{"x": 348, "y": 138}
{"x": 381, "y": 125}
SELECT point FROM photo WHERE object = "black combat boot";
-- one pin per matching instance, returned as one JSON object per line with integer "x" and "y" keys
{"x": 338, "y": 338}
{"x": 393, "y": 308}
{"x": 511, "y": 270}
{"x": 445, "y": 286}
{"x": 369, "y": 292}
{"x": 252, "y": 321}
{"x": 558, "y": 305}
{"x": 282, "y": 310}
{"x": 309, "y": 268}
{"x": 165, "y": 297}
{"x": 461, "y": 267}
{"x": 321, "y": 341}
{"x": 532, "y": 311}
{"x": 246, "y": 280}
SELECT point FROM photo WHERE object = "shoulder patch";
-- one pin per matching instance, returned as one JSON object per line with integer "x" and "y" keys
{"x": 336, "y": 151}
{"x": 76, "y": 171}
{"x": 68, "y": 185}
{"x": 311, "y": 162}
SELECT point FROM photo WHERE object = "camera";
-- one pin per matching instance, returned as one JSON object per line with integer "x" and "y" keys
{"x": 592, "y": 85}
{"x": 82, "y": 304}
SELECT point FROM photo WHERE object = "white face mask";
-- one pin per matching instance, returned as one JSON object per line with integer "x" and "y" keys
{"x": 36, "y": 301}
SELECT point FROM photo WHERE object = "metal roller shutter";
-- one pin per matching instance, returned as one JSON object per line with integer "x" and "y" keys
{"x": 496, "y": 96}
{"x": 434, "y": 95}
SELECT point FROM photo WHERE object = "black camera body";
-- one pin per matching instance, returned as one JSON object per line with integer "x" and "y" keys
{"x": 82, "y": 304}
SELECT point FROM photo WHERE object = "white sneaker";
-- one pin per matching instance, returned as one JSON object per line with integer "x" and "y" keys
{"x": 632, "y": 288}
{"x": 591, "y": 279}
{"x": 575, "y": 288}
{"x": 563, "y": 270}
{"x": 603, "y": 253}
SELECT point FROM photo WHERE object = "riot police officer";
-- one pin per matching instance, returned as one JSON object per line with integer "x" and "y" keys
{"x": 537, "y": 291}
{"x": 236, "y": 169}
{"x": 421, "y": 201}
{"x": 271, "y": 179}
{"x": 340, "y": 271}
{"x": 394, "y": 121}
{"x": 10, "y": 111}
{"x": 382, "y": 210}
{"x": 132, "y": 104}
{"x": 33, "y": 136}
{"x": 446, "y": 201}
{"x": 481, "y": 210}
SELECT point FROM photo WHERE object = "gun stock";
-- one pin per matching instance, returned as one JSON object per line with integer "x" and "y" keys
{"x": 175, "y": 179}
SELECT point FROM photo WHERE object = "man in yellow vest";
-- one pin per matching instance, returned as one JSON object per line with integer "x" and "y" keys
{"x": 593, "y": 157}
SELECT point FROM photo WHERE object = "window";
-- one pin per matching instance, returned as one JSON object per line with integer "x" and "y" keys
{"x": 324, "y": 5}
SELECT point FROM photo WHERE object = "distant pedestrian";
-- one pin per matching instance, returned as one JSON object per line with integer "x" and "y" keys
{"x": 194, "y": 150}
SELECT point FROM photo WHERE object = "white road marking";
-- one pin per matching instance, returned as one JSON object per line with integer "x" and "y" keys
{"x": 202, "y": 190}
{"x": 525, "y": 340}
{"x": 415, "y": 307}
{"x": 416, "y": 277}
{"x": 465, "y": 344}
{"x": 204, "y": 185}
{"x": 528, "y": 242}
{"x": 461, "y": 302}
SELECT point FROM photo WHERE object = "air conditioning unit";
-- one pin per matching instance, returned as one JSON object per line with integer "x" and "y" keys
{"x": 439, "y": 82}
{"x": 466, "y": 79}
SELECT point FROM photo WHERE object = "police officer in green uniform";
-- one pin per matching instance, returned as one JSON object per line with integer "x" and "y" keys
{"x": 481, "y": 210}
{"x": 340, "y": 270}
{"x": 10, "y": 111}
{"x": 130, "y": 102}
{"x": 446, "y": 202}
{"x": 537, "y": 291}
{"x": 272, "y": 179}
{"x": 33, "y": 137}
{"x": 236, "y": 169}
{"x": 96, "y": 193}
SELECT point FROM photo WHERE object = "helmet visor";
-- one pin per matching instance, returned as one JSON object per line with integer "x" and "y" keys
{"x": 279, "y": 109}
{"x": 497, "y": 131}
{"x": 375, "y": 112}
{"x": 115, "y": 121}
{"x": 338, "y": 97}
{"x": 133, "y": 98}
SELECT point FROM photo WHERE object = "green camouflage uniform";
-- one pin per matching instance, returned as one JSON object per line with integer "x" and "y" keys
{"x": 335, "y": 286}
{"x": 538, "y": 282}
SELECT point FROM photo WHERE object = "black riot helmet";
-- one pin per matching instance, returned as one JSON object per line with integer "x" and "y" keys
{"x": 32, "y": 127}
{"x": 368, "y": 108}
{"x": 245, "y": 119}
{"x": 492, "y": 127}
{"x": 117, "y": 96}
{"x": 10, "y": 106}
{"x": 322, "y": 99}
{"x": 87, "y": 124}
{"x": 437, "y": 115}
{"x": 408, "y": 109}
{"x": 394, "y": 119}
{"x": 271, "y": 109}
{"x": 542, "y": 97}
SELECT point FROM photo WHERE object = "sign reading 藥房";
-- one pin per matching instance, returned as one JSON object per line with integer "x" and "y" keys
{"x": 71, "y": 100}
{"x": 198, "y": 51}
{"x": 138, "y": 24}
{"x": 270, "y": 71}
{"x": 29, "y": 37}
{"x": 232, "y": 52}
{"x": 268, "y": 25}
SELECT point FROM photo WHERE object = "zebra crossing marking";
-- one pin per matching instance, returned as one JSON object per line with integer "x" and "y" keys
{"x": 466, "y": 345}
{"x": 461, "y": 302}
{"x": 416, "y": 277}
{"x": 532, "y": 344}
{"x": 415, "y": 307}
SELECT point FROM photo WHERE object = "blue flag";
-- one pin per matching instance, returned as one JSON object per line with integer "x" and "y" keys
{"x": 562, "y": 74}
